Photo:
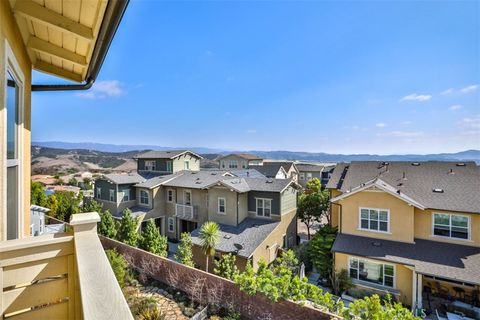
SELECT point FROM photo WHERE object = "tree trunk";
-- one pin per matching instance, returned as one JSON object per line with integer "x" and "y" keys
{"x": 308, "y": 231}
{"x": 206, "y": 267}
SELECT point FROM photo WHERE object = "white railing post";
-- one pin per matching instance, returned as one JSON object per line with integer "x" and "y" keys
{"x": 85, "y": 222}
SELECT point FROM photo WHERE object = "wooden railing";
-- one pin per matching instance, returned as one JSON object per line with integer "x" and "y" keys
{"x": 60, "y": 276}
{"x": 185, "y": 212}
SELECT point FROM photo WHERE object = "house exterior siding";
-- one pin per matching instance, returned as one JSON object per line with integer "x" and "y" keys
{"x": 252, "y": 204}
{"x": 288, "y": 200}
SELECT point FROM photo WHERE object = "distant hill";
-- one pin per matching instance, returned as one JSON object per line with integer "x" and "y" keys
{"x": 126, "y": 151}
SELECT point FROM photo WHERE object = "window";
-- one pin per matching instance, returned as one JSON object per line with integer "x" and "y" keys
{"x": 264, "y": 207}
{"x": 186, "y": 165}
{"x": 169, "y": 195}
{"x": 373, "y": 272}
{"x": 111, "y": 195}
{"x": 169, "y": 166}
{"x": 126, "y": 195}
{"x": 187, "y": 197}
{"x": 12, "y": 131}
{"x": 233, "y": 164}
{"x": 374, "y": 219}
{"x": 223, "y": 164}
{"x": 99, "y": 193}
{"x": 451, "y": 225}
{"x": 302, "y": 176}
{"x": 143, "y": 197}
{"x": 171, "y": 224}
{"x": 221, "y": 205}
{"x": 150, "y": 165}
{"x": 309, "y": 176}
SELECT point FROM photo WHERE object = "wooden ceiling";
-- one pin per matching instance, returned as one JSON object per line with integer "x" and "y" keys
{"x": 60, "y": 35}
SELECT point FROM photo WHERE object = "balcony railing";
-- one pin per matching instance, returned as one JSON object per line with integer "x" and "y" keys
{"x": 185, "y": 212}
{"x": 60, "y": 276}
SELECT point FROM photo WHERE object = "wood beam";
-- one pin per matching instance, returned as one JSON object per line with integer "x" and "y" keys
{"x": 36, "y": 12}
{"x": 42, "y": 46}
{"x": 56, "y": 71}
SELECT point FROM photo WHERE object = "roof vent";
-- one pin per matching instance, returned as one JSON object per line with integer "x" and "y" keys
{"x": 461, "y": 164}
{"x": 269, "y": 181}
{"x": 227, "y": 236}
{"x": 415, "y": 164}
{"x": 376, "y": 244}
{"x": 238, "y": 246}
{"x": 198, "y": 182}
{"x": 214, "y": 173}
{"x": 438, "y": 190}
{"x": 451, "y": 171}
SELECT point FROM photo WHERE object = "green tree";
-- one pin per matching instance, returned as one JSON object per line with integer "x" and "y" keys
{"x": 107, "y": 225}
{"x": 209, "y": 238}
{"x": 68, "y": 204}
{"x": 320, "y": 250}
{"x": 184, "y": 253}
{"x": 87, "y": 183}
{"x": 373, "y": 308}
{"x": 92, "y": 206}
{"x": 73, "y": 182}
{"x": 225, "y": 267}
{"x": 52, "y": 204}
{"x": 127, "y": 231}
{"x": 37, "y": 194}
{"x": 313, "y": 185}
{"x": 313, "y": 205}
{"x": 152, "y": 241}
{"x": 287, "y": 261}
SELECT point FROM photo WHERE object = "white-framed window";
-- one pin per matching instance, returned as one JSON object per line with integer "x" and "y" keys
{"x": 144, "y": 197}
{"x": 309, "y": 176}
{"x": 126, "y": 195}
{"x": 111, "y": 195}
{"x": 264, "y": 207}
{"x": 186, "y": 165}
{"x": 302, "y": 176}
{"x": 169, "y": 166}
{"x": 233, "y": 164}
{"x": 170, "y": 195}
{"x": 187, "y": 197}
{"x": 13, "y": 114}
{"x": 371, "y": 271}
{"x": 150, "y": 165}
{"x": 99, "y": 193}
{"x": 222, "y": 204}
{"x": 451, "y": 226}
{"x": 171, "y": 224}
{"x": 372, "y": 219}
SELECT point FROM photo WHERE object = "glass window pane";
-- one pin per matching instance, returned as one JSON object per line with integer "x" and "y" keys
{"x": 461, "y": 233}
{"x": 441, "y": 231}
{"x": 389, "y": 281}
{"x": 354, "y": 273}
{"x": 443, "y": 219}
{"x": 383, "y": 226}
{"x": 373, "y": 225}
{"x": 388, "y": 269}
{"x": 354, "y": 263}
{"x": 383, "y": 216}
{"x": 459, "y": 221}
{"x": 12, "y": 203}
{"x": 364, "y": 224}
{"x": 371, "y": 272}
{"x": 374, "y": 214}
{"x": 364, "y": 213}
{"x": 12, "y": 117}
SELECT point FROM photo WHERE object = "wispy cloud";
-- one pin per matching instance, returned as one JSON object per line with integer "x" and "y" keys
{"x": 251, "y": 131}
{"x": 467, "y": 89}
{"x": 455, "y": 107}
{"x": 472, "y": 122}
{"x": 406, "y": 122}
{"x": 403, "y": 134}
{"x": 416, "y": 97}
{"x": 103, "y": 89}
{"x": 381, "y": 125}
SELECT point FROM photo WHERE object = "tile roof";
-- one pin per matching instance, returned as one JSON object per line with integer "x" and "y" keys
{"x": 287, "y": 165}
{"x": 270, "y": 169}
{"x": 434, "y": 258}
{"x": 459, "y": 185}
{"x": 196, "y": 179}
{"x": 155, "y": 181}
{"x": 167, "y": 154}
{"x": 125, "y": 178}
{"x": 268, "y": 184}
{"x": 337, "y": 176}
{"x": 245, "y": 173}
{"x": 242, "y": 239}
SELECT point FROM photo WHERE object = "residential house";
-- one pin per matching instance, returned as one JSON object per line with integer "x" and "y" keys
{"x": 239, "y": 161}
{"x": 167, "y": 162}
{"x": 50, "y": 276}
{"x": 40, "y": 223}
{"x": 409, "y": 228}
{"x": 279, "y": 169}
{"x": 308, "y": 171}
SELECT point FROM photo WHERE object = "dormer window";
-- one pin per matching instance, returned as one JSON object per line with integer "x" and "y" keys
{"x": 150, "y": 165}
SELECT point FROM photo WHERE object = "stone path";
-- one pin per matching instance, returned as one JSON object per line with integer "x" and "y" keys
{"x": 169, "y": 307}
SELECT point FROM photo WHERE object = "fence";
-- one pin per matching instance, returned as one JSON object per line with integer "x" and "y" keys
{"x": 210, "y": 289}
{"x": 201, "y": 315}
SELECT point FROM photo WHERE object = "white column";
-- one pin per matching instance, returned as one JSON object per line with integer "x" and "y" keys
{"x": 414, "y": 289}
{"x": 419, "y": 291}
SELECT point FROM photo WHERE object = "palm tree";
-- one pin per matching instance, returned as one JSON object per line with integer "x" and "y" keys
{"x": 209, "y": 238}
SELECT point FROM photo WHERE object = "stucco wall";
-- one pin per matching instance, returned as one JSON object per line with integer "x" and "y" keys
{"x": 230, "y": 216}
{"x": 10, "y": 33}
{"x": 178, "y": 163}
{"x": 288, "y": 200}
{"x": 401, "y": 215}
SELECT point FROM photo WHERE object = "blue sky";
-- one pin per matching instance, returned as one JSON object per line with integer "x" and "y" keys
{"x": 346, "y": 77}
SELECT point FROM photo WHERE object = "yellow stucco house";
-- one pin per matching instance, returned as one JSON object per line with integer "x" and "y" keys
{"x": 409, "y": 228}
{"x": 55, "y": 276}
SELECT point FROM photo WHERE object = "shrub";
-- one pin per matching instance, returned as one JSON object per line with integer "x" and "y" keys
{"x": 119, "y": 266}
{"x": 152, "y": 241}
{"x": 184, "y": 251}
{"x": 225, "y": 267}
{"x": 127, "y": 232}
{"x": 107, "y": 225}
{"x": 320, "y": 250}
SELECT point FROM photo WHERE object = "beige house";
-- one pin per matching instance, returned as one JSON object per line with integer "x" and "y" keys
{"x": 411, "y": 229}
{"x": 239, "y": 161}
{"x": 49, "y": 276}
{"x": 167, "y": 162}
